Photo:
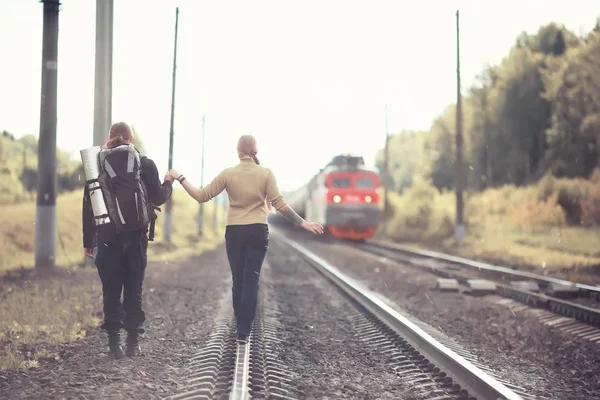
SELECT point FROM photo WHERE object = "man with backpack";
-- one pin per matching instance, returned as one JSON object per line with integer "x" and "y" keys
{"x": 130, "y": 186}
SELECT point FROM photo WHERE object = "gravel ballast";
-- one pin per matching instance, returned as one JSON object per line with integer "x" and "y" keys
{"x": 180, "y": 300}
{"x": 325, "y": 355}
{"x": 545, "y": 361}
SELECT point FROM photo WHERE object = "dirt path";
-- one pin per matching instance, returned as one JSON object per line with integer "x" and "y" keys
{"x": 180, "y": 300}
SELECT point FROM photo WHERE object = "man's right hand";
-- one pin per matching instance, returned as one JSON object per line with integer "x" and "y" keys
{"x": 89, "y": 253}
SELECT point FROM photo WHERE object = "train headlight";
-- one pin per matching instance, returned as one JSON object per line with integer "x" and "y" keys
{"x": 368, "y": 199}
{"x": 337, "y": 199}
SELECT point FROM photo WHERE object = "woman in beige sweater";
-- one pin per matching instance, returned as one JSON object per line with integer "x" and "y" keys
{"x": 252, "y": 190}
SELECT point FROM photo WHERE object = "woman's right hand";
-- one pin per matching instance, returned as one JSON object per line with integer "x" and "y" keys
{"x": 174, "y": 173}
{"x": 313, "y": 227}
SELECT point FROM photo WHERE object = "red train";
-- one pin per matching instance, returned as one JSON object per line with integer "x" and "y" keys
{"x": 343, "y": 197}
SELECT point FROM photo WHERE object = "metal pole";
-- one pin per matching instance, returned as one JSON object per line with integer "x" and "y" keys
{"x": 169, "y": 206}
{"x": 45, "y": 218}
{"x": 459, "y": 229}
{"x": 103, "y": 74}
{"x": 201, "y": 214}
{"x": 216, "y": 212}
{"x": 486, "y": 135}
{"x": 386, "y": 203}
{"x": 225, "y": 206}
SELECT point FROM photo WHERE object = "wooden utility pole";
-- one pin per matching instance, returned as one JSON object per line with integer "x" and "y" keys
{"x": 169, "y": 206}
{"x": 45, "y": 217}
{"x": 459, "y": 229}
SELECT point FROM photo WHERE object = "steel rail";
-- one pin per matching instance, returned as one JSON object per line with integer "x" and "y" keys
{"x": 240, "y": 388}
{"x": 480, "y": 265}
{"x": 473, "y": 379}
{"x": 580, "y": 312}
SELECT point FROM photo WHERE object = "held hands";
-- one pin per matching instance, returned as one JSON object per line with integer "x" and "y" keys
{"x": 313, "y": 227}
{"x": 168, "y": 177}
{"x": 171, "y": 175}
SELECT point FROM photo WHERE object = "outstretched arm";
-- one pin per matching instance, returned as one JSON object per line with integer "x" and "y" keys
{"x": 279, "y": 203}
{"x": 202, "y": 195}
{"x": 291, "y": 215}
{"x": 158, "y": 193}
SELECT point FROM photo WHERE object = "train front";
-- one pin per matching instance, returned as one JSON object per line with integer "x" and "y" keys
{"x": 352, "y": 204}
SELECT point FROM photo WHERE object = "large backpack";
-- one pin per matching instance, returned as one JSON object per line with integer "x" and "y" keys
{"x": 124, "y": 191}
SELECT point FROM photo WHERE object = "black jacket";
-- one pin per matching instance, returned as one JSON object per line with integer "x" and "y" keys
{"x": 158, "y": 194}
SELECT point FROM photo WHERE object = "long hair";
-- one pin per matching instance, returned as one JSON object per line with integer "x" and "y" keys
{"x": 120, "y": 133}
{"x": 247, "y": 147}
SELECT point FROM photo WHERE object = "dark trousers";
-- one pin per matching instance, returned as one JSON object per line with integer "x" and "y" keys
{"x": 246, "y": 249}
{"x": 121, "y": 264}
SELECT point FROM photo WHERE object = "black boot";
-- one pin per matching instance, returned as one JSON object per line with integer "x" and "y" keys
{"x": 132, "y": 347}
{"x": 241, "y": 338}
{"x": 114, "y": 344}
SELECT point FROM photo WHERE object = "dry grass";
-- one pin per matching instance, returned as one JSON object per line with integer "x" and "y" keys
{"x": 41, "y": 309}
{"x": 40, "y": 313}
{"x": 17, "y": 231}
{"x": 527, "y": 227}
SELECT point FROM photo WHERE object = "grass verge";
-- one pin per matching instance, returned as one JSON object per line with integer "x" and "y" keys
{"x": 17, "y": 231}
{"x": 43, "y": 309}
{"x": 527, "y": 227}
{"x": 40, "y": 311}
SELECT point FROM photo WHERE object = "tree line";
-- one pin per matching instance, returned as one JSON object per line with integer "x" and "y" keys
{"x": 19, "y": 172}
{"x": 535, "y": 114}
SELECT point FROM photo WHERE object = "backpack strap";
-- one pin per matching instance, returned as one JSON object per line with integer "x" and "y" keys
{"x": 152, "y": 223}
{"x": 151, "y": 228}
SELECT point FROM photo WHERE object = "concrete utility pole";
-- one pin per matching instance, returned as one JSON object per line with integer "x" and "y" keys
{"x": 169, "y": 206}
{"x": 103, "y": 74}
{"x": 45, "y": 217}
{"x": 386, "y": 171}
{"x": 459, "y": 231}
{"x": 201, "y": 214}
{"x": 103, "y": 79}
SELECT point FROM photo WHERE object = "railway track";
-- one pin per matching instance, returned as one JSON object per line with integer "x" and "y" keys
{"x": 433, "y": 369}
{"x": 226, "y": 369}
{"x": 436, "y": 371}
{"x": 568, "y": 299}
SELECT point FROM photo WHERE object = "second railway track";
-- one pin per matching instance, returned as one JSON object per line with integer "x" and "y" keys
{"x": 569, "y": 299}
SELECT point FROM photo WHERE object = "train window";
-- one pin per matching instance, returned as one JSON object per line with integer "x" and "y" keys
{"x": 364, "y": 182}
{"x": 340, "y": 182}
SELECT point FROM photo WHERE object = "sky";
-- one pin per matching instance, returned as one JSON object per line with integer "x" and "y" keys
{"x": 308, "y": 79}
